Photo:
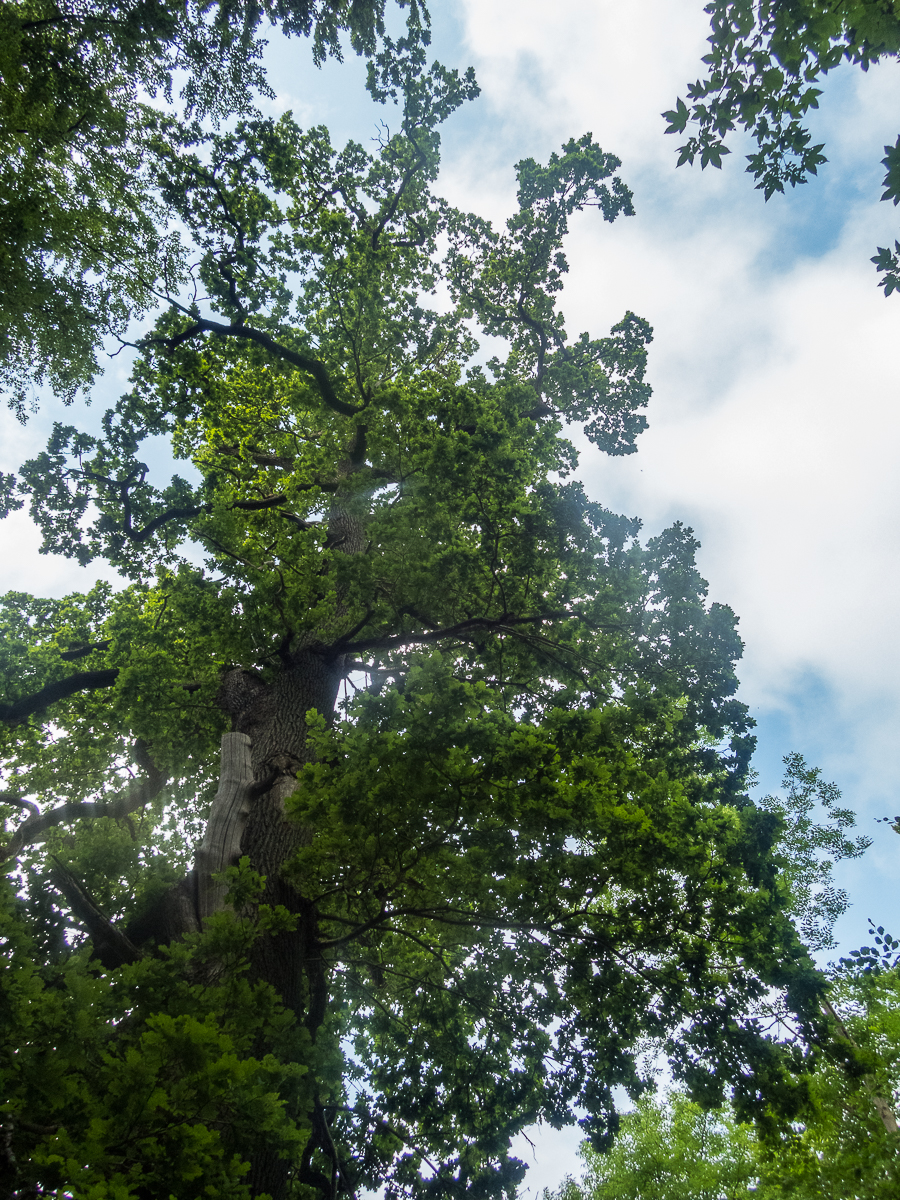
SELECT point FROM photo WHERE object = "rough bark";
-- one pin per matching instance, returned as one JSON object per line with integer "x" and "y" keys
{"x": 260, "y": 760}
{"x": 275, "y": 720}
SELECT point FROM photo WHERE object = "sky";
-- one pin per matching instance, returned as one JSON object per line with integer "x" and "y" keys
{"x": 774, "y": 428}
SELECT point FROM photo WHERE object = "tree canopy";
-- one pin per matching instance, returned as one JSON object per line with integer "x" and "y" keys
{"x": 766, "y": 61}
{"x": 397, "y": 798}
{"x": 670, "y": 1148}
{"x": 845, "y": 1145}
{"x": 83, "y": 239}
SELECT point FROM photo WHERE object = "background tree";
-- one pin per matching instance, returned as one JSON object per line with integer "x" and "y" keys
{"x": 766, "y": 59}
{"x": 813, "y": 837}
{"x": 83, "y": 242}
{"x": 849, "y": 1145}
{"x": 297, "y": 945}
{"x": 670, "y": 1147}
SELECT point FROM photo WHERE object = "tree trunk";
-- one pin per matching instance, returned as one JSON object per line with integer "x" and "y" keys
{"x": 276, "y": 723}
{"x": 260, "y": 760}
{"x": 274, "y": 719}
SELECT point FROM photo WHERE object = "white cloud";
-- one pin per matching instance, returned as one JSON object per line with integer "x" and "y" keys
{"x": 25, "y": 569}
{"x": 774, "y": 425}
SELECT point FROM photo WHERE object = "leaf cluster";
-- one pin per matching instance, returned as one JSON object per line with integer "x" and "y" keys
{"x": 147, "y": 1080}
{"x": 809, "y": 848}
{"x": 767, "y": 58}
{"x": 84, "y": 235}
{"x": 532, "y": 900}
{"x": 837, "y": 1147}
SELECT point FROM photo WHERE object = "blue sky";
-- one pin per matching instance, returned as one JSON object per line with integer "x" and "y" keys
{"x": 775, "y": 423}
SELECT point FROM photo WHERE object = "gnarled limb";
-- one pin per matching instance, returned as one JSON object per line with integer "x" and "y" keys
{"x": 83, "y": 681}
{"x": 312, "y": 366}
{"x": 19, "y": 802}
{"x": 134, "y": 479}
{"x": 138, "y": 793}
{"x": 111, "y": 946}
{"x": 193, "y": 899}
{"x": 181, "y": 514}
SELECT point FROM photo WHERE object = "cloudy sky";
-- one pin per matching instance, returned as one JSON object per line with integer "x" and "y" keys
{"x": 775, "y": 424}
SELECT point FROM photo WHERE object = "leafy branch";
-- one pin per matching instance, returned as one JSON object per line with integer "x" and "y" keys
{"x": 137, "y": 794}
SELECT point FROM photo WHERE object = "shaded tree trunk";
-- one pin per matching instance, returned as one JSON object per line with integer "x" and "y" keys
{"x": 260, "y": 760}
{"x": 275, "y": 720}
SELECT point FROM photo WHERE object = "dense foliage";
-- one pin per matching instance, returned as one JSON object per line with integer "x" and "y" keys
{"x": 672, "y": 1149}
{"x": 766, "y": 60}
{"x": 83, "y": 238}
{"x": 517, "y": 858}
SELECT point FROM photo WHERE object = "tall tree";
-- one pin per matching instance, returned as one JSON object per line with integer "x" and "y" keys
{"x": 294, "y": 944}
{"x": 766, "y": 60}
{"x": 83, "y": 245}
{"x": 670, "y": 1148}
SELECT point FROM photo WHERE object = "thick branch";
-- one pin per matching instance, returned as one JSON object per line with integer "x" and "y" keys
{"x": 297, "y": 522}
{"x": 83, "y": 651}
{"x": 180, "y": 514}
{"x": 398, "y": 195}
{"x": 186, "y": 905}
{"x": 84, "y": 681}
{"x": 537, "y": 328}
{"x": 19, "y": 802}
{"x": 312, "y": 366}
{"x": 111, "y": 946}
{"x": 472, "y": 625}
{"x": 138, "y": 793}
